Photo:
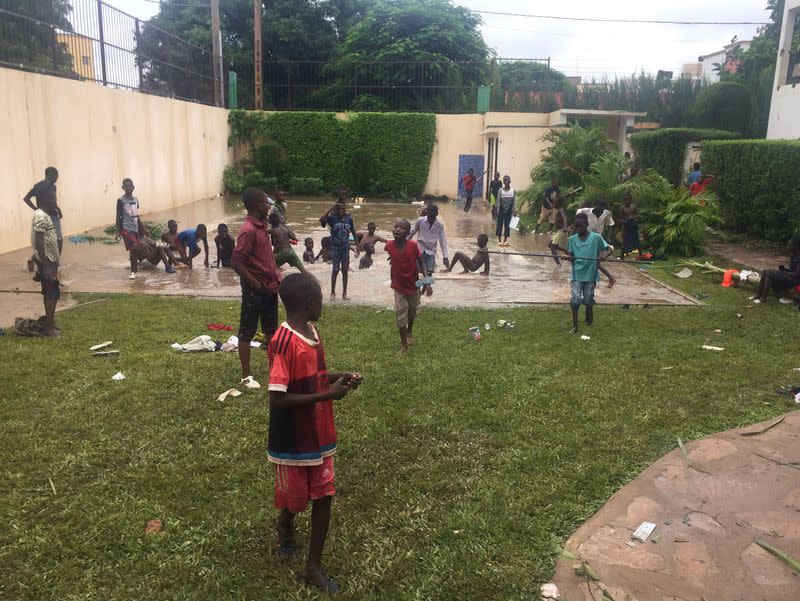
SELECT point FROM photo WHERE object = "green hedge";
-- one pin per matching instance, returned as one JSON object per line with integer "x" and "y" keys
{"x": 319, "y": 145}
{"x": 665, "y": 149}
{"x": 758, "y": 185}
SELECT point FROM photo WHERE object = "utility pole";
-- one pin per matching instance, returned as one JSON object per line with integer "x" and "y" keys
{"x": 257, "y": 52}
{"x": 216, "y": 45}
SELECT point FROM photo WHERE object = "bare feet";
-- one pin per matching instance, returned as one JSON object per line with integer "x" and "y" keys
{"x": 333, "y": 296}
{"x": 410, "y": 339}
{"x": 611, "y": 282}
{"x": 345, "y": 297}
{"x": 403, "y": 349}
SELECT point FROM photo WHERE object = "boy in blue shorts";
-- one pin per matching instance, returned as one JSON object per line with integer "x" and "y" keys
{"x": 302, "y": 434}
{"x": 586, "y": 249}
{"x": 342, "y": 227}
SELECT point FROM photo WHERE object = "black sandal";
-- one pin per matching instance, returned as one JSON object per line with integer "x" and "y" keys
{"x": 325, "y": 583}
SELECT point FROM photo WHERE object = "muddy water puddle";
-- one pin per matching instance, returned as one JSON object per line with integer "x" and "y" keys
{"x": 514, "y": 280}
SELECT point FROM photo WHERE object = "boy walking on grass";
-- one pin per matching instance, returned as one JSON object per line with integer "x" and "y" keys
{"x": 302, "y": 434}
{"x": 253, "y": 260}
{"x": 586, "y": 249}
{"x": 406, "y": 265}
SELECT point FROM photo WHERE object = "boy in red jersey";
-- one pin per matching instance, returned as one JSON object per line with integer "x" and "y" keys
{"x": 407, "y": 264}
{"x": 302, "y": 435}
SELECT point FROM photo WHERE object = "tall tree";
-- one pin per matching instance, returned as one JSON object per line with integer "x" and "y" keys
{"x": 32, "y": 41}
{"x": 415, "y": 54}
{"x": 292, "y": 30}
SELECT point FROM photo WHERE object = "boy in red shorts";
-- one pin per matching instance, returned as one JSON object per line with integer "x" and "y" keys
{"x": 302, "y": 435}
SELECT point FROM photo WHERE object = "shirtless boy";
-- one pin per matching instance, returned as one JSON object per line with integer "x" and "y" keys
{"x": 282, "y": 245}
{"x": 369, "y": 237}
{"x": 481, "y": 258}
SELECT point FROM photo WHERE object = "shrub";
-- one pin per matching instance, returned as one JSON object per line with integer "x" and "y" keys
{"x": 271, "y": 160}
{"x": 665, "y": 149}
{"x": 319, "y": 145}
{"x": 233, "y": 180}
{"x": 724, "y": 105}
{"x": 757, "y": 184}
{"x": 305, "y": 185}
{"x": 358, "y": 172}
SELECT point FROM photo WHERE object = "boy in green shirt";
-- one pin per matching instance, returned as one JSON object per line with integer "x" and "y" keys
{"x": 586, "y": 249}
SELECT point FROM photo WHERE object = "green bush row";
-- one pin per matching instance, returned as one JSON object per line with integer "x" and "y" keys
{"x": 370, "y": 153}
{"x": 665, "y": 149}
{"x": 758, "y": 185}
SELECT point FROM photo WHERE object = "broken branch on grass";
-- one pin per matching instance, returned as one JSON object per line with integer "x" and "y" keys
{"x": 764, "y": 429}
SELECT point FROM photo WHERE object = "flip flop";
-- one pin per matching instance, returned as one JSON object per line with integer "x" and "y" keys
{"x": 286, "y": 546}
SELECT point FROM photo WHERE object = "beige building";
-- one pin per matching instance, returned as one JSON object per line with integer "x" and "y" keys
{"x": 509, "y": 142}
{"x": 784, "y": 112}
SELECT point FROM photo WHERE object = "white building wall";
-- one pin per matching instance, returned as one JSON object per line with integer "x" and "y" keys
{"x": 707, "y": 66}
{"x": 784, "y": 113}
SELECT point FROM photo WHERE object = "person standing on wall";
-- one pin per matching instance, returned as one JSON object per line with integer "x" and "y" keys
{"x": 45, "y": 194}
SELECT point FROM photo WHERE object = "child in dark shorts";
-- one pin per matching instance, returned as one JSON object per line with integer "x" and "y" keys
{"x": 302, "y": 433}
{"x": 341, "y": 227}
{"x": 225, "y": 245}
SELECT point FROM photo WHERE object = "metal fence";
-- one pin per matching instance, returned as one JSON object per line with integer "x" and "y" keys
{"x": 94, "y": 41}
{"x": 436, "y": 86}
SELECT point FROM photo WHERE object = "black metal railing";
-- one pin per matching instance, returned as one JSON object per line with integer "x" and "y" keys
{"x": 94, "y": 41}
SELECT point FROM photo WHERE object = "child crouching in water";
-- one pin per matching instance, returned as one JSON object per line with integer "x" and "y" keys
{"x": 481, "y": 258}
{"x": 406, "y": 267}
{"x": 302, "y": 434}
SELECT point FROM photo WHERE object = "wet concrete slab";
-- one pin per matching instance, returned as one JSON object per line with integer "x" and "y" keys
{"x": 514, "y": 280}
{"x": 707, "y": 515}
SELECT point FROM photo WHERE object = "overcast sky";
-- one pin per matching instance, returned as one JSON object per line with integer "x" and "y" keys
{"x": 597, "y": 49}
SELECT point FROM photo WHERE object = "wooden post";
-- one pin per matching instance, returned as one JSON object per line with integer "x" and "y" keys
{"x": 257, "y": 54}
{"x": 216, "y": 45}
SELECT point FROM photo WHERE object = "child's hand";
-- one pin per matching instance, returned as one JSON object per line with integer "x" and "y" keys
{"x": 354, "y": 380}
{"x": 338, "y": 389}
{"x": 427, "y": 289}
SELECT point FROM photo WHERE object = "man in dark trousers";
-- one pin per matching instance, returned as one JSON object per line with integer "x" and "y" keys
{"x": 45, "y": 194}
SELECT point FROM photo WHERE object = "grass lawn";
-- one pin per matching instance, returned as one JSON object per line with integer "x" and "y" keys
{"x": 461, "y": 467}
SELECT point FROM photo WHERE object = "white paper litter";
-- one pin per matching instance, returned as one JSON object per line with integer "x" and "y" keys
{"x": 797, "y": 398}
{"x": 97, "y": 347}
{"x": 585, "y": 337}
{"x": 230, "y": 392}
{"x": 684, "y": 273}
{"x": 785, "y": 301}
{"x": 549, "y": 591}
{"x": 713, "y": 348}
{"x": 644, "y": 530}
{"x": 118, "y": 376}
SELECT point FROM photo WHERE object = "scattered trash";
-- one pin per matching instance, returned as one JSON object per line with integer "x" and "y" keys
{"x": 105, "y": 353}
{"x": 782, "y": 555}
{"x": 356, "y": 206}
{"x": 679, "y": 540}
{"x": 549, "y": 591}
{"x": 232, "y": 344}
{"x": 684, "y": 273}
{"x": 97, "y": 347}
{"x": 785, "y": 301}
{"x": 457, "y": 531}
{"x": 630, "y": 544}
{"x": 739, "y": 316}
{"x": 701, "y": 295}
{"x": 487, "y": 327}
{"x": 666, "y": 368}
{"x": 718, "y": 331}
{"x": 585, "y": 337}
{"x": 153, "y": 527}
{"x": 765, "y": 428}
{"x": 475, "y": 332}
{"x": 797, "y": 369}
{"x": 118, "y": 376}
{"x": 201, "y": 343}
{"x": 713, "y": 348}
{"x": 219, "y": 327}
{"x": 504, "y": 323}
{"x": 644, "y": 530}
{"x": 655, "y": 538}
{"x": 230, "y": 392}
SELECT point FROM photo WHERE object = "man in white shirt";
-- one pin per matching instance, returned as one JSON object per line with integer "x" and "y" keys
{"x": 431, "y": 232}
{"x": 599, "y": 217}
